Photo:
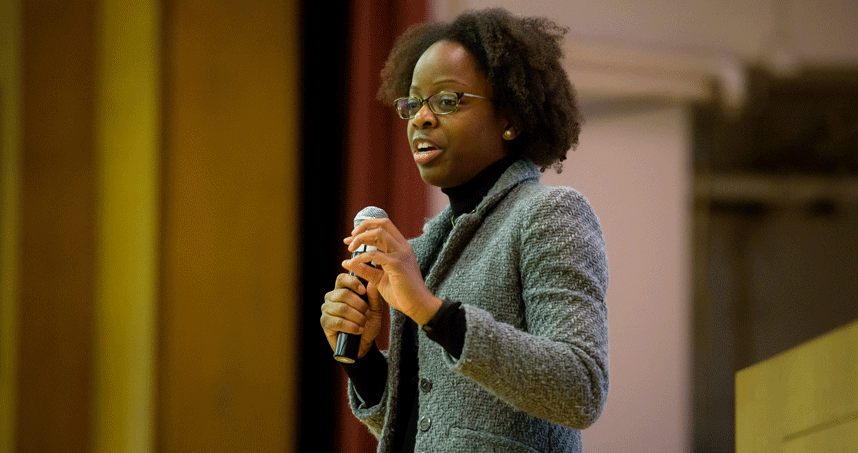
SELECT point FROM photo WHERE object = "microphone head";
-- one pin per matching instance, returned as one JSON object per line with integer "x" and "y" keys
{"x": 369, "y": 212}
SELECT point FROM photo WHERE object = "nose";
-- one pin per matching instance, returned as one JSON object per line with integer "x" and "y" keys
{"x": 424, "y": 117}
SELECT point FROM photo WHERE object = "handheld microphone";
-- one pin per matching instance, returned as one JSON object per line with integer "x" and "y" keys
{"x": 348, "y": 344}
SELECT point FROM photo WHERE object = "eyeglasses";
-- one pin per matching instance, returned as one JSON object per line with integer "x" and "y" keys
{"x": 442, "y": 103}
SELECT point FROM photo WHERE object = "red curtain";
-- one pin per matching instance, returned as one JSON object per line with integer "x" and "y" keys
{"x": 380, "y": 169}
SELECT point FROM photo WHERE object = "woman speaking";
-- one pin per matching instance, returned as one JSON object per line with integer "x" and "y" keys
{"x": 498, "y": 326}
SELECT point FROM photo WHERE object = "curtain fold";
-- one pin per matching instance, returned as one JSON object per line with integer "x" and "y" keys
{"x": 380, "y": 171}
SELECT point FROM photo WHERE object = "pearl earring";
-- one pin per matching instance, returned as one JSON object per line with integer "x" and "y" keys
{"x": 508, "y": 134}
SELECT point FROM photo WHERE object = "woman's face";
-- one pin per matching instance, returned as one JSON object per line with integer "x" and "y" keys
{"x": 451, "y": 149}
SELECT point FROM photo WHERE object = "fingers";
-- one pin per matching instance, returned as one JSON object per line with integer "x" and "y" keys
{"x": 378, "y": 233}
{"x": 350, "y": 282}
{"x": 340, "y": 317}
{"x": 359, "y": 267}
{"x": 368, "y": 265}
{"x": 370, "y": 224}
{"x": 388, "y": 246}
{"x": 344, "y": 310}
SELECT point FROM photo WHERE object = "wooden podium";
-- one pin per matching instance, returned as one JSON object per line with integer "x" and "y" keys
{"x": 802, "y": 400}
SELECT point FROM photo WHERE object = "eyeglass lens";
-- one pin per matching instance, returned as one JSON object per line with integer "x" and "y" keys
{"x": 439, "y": 103}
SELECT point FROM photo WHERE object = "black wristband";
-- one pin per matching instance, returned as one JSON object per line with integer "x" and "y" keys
{"x": 445, "y": 305}
{"x": 448, "y": 328}
{"x": 369, "y": 375}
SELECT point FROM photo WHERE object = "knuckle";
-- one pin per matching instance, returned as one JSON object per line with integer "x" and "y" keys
{"x": 325, "y": 321}
{"x": 339, "y": 324}
{"x": 340, "y": 310}
{"x": 342, "y": 280}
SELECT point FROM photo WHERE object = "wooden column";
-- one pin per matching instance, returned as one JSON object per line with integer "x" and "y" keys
{"x": 57, "y": 227}
{"x": 226, "y": 369}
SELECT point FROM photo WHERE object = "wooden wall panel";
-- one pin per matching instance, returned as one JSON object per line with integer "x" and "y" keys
{"x": 128, "y": 143}
{"x": 223, "y": 114}
{"x": 226, "y": 357}
{"x": 802, "y": 400}
{"x": 10, "y": 155}
{"x": 57, "y": 226}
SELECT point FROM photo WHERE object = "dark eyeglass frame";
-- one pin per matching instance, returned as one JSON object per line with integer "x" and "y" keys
{"x": 399, "y": 101}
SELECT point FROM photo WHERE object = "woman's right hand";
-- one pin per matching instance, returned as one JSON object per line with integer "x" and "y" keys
{"x": 346, "y": 311}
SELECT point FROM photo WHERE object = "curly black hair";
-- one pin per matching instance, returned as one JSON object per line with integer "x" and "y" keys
{"x": 520, "y": 57}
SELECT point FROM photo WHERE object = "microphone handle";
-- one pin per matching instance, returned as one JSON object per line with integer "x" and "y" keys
{"x": 348, "y": 344}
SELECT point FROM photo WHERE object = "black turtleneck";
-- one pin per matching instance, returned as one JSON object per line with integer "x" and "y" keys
{"x": 448, "y": 327}
{"x": 465, "y": 198}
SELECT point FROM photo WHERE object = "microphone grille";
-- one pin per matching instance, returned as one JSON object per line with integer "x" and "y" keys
{"x": 369, "y": 212}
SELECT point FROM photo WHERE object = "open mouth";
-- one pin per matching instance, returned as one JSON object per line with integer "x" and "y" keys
{"x": 425, "y": 152}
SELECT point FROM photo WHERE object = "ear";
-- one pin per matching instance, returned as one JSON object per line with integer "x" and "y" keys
{"x": 511, "y": 129}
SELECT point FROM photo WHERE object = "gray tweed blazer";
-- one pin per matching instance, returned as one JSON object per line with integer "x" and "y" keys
{"x": 530, "y": 268}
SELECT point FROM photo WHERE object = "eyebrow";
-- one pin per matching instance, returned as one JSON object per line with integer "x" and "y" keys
{"x": 442, "y": 82}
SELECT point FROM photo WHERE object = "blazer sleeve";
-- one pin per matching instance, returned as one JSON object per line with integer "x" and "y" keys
{"x": 371, "y": 415}
{"x": 557, "y": 370}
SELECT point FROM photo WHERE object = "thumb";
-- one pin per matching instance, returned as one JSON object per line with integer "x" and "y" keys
{"x": 374, "y": 299}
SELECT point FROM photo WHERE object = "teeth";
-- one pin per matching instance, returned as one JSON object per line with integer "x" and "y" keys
{"x": 423, "y": 146}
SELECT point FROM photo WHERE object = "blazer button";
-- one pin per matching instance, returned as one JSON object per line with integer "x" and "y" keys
{"x": 424, "y": 424}
{"x": 425, "y": 385}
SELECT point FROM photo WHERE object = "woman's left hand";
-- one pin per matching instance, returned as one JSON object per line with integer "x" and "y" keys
{"x": 397, "y": 276}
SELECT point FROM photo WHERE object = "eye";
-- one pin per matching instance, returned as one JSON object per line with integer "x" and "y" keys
{"x": 447, "y": 101}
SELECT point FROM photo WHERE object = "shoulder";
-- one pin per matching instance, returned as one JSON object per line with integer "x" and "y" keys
{"x": 554, "y": 217}
{"x": 535, "y": 202}
{"x": 558, "y": 219}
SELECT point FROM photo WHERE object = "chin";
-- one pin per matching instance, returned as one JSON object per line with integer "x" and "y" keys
{"x": 438, "y": 177}
{"x": 428, "y": 178}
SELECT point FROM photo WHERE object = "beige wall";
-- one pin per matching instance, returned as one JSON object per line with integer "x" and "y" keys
{"x": 818, "y": 31}
{"x": 634, "y": 166}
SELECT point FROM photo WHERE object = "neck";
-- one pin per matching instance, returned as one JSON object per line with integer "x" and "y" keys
{"x": 466, "y": 197}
